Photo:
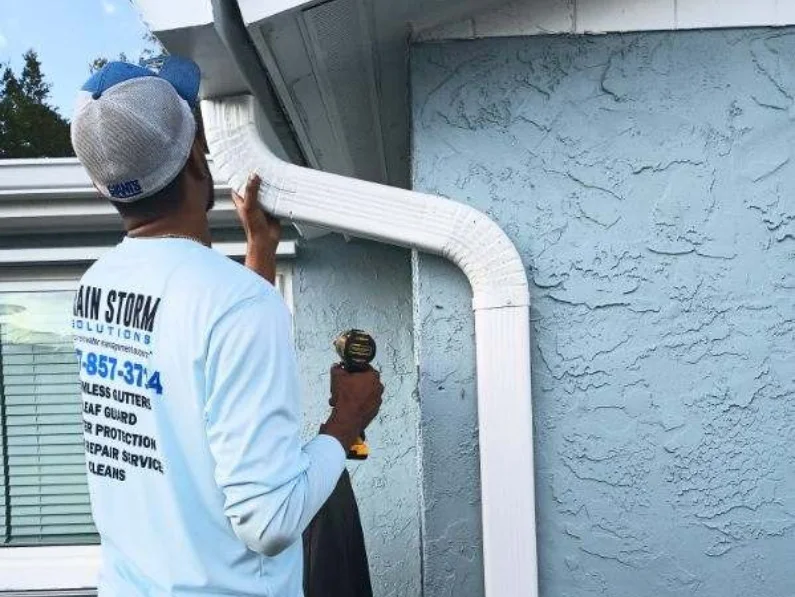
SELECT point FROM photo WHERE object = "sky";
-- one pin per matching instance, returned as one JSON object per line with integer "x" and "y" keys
{"x": 68, "y": 35}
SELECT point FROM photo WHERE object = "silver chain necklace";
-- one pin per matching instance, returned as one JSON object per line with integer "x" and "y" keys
{"x": 182, "y": 236}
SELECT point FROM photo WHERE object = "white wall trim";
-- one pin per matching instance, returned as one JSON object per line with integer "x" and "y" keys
{"x": 537, "y": 17}
{"x": 49, "y": 568}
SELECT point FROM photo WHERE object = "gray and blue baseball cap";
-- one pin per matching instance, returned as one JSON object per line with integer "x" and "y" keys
{"x": 133, "y": 128}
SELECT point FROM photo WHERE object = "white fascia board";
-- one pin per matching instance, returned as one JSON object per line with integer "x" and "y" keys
{"x": 40, "y": 195}
{"x": 92, "y": 253}
{"x": 53, "y": 177}
{"x": 257, "y": 10}
{"x": 160, "y": 15}
{"x": 19, "y": 177}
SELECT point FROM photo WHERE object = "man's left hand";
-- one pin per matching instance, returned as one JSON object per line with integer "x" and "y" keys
{"x": 263, "y": 231}
{"x": 261, "y": 228}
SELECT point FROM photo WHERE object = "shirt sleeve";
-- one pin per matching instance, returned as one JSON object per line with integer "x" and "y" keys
{"x": 272, "y": 485}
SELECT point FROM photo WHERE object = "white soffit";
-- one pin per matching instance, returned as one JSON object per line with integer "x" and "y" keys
{"x": 163, "y": 15}
{"x": 340, "y": 69}
{"x": 256, "y": 10}
{"x": 323, "y": 63}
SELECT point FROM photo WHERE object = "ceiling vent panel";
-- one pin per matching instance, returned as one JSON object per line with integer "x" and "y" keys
{"x": 339, "y": 36}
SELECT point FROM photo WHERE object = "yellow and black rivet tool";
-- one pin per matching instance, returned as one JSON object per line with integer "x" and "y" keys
{"x": 356, "y": 350}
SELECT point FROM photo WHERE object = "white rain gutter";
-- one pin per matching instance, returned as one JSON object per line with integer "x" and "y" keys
{"x": 501, "y": 302}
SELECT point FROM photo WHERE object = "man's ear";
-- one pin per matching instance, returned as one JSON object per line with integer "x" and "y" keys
{"x": 197, "y": 162}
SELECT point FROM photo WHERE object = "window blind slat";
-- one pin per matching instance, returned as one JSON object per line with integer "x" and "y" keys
{"x": 28, "y": 348}
{"x": 43, "y": 436}
{"x": 62, "y": 515}
{"x": 42, "y": 530}
{"x": 65, "y": 389}
{"x": 61, "y": 357}
{"x": 63, "y": 408}
{"x": 44, "y": 451}
{"x": 47, "y": 490}
{"x": 70, "y": 539}
{"x": 43, "y": 399}
{"x": 42, "y": 379}
{"x": 32, "y": 439}
{"x": 47, "y": 470}
{"x": 51, "y": 500}
{"x": 43, "y": 420}
{"x": 27, "y": 371}
{"x": 15, "y": 460}
{"x": 45, "y": 480}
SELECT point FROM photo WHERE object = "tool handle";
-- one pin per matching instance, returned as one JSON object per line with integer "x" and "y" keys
{"x": 359, "y": 450}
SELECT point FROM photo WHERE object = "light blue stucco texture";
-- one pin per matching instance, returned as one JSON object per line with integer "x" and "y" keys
{"x": 648, "y": 181}
{"x": 339, "y": 285}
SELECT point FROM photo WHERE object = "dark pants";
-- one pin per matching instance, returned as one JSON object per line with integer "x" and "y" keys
{"x": 335, "y": 558}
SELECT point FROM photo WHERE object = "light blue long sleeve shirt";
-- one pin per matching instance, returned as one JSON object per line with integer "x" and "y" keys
{"x": 198, "y": 479}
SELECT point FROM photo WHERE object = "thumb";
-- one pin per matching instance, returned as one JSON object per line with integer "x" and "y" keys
{"x": 236, "y": 199}
{"x": 252, "y": 187}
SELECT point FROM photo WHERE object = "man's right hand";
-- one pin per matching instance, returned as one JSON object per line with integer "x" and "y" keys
{"x": 355, "y": 398}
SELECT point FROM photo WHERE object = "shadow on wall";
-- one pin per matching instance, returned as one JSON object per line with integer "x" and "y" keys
{"x": 647, "y": 180}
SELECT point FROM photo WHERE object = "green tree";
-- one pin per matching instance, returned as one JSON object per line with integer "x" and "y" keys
{"x": 150, "y": 55}
{"x": 98, "y": 63}
{"x": 29, "y": 126}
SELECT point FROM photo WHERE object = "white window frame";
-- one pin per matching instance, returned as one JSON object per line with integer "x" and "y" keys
{"x": 76, "y": 567}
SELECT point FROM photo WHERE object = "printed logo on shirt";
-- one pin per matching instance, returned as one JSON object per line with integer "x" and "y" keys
{"x": 119, "y": 386}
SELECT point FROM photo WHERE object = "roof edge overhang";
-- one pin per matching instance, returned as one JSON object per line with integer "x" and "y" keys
{"x": 55, "y": 195}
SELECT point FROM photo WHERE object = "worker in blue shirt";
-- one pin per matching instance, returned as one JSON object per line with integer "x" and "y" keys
{"x": 199, "y": 481}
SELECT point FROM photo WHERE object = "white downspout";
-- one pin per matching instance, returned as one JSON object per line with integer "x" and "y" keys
{"x": 501, "y": 302}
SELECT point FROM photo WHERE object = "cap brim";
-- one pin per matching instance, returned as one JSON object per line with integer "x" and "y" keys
{"x": 184, "y": 75}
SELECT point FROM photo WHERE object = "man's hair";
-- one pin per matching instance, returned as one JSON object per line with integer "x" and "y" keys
{"x": 165, "y": 202}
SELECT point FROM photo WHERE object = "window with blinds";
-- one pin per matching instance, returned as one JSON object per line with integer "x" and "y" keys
{"x": 43, "y": 491}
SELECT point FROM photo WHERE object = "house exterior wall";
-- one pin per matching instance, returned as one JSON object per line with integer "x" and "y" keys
{"x": 338, "y": 286}
{"x": 646, "y": 179}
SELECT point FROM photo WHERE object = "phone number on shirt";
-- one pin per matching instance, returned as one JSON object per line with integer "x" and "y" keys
{"x": 106, "y": 367}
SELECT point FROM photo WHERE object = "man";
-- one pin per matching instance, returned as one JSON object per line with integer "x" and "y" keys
{"x": 199, "y": 484}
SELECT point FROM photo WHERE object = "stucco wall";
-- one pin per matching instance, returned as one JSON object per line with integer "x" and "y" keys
{"x": 647, "y": 180}
{"x": 337, "y": 286}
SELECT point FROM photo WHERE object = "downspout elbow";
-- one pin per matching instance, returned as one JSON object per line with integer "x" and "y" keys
{"x": 456, "y": 231}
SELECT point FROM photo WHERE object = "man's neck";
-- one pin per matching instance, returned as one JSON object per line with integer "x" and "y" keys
{"x": 171, "y": 227}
